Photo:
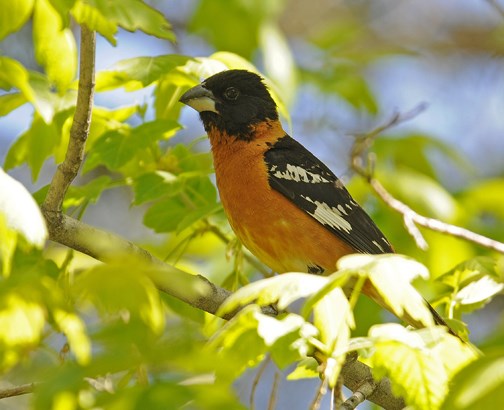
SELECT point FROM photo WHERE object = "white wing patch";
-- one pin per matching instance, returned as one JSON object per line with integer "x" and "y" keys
{"x": 328, "y": 215}
{"x": 378, "y": 246}
{"x": 297, "y": 174}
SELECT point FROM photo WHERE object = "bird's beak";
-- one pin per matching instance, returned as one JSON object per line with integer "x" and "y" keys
{"x": 199, "y": 98}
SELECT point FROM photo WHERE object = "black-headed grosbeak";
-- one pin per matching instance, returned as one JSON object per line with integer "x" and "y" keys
{"x": 282, "y": 202}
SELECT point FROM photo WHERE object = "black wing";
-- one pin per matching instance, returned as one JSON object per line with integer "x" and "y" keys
{"x": 301, "y": 177}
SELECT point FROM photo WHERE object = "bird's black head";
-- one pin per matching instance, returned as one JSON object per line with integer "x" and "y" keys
{"x": 232, "y": 101}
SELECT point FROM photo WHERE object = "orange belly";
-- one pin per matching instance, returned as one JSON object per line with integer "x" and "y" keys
{"x": 275, "y": 230}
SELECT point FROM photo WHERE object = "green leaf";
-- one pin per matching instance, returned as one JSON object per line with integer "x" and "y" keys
{"x": 63, "y": 7}
{"x": 20, "y": 211}
{"x": 34, "y": 146}
{"x": 180, "y": 158}
{"x": 346, "y": 80}
{"x": 287, "y": 337}
{"x": 480, "y": 385}
{"x": 105, "y": 120}
{"x": 196, "y": 215}
{"x": 416, "y": 375}
{"x": 46, "y": 101}
{"x": 196, "y": 198}
{"x": 9, "y": 102}
{"x": 88, "y": 193}
{"x": 117, "y": 147}
{"x": 485, "y": 197}
{"x": 390, "y": 277}
{"x": 419, "y": 363}
{"x": 473, "y": 282}
{"x": 239, "y": 341}
{"x": 414, "y": 151}
{"x": 168, "y": 91}
{"x": 73, "y": 328}
{"x": 23, "y": 322}
{"x": 243, "y": 20}
{"x": 55, "y": 47}
{"x": 14, "y": 75}
{"x": 172, "y": 214}
{"x": 134, "y": 15}
{"x": 276, "y": 48}
{"x": 138, "y": 72}
{"x": 479, "y": 291}
{"x": 305, "y": 369}
{"x": 165, "y": 215}
{"x": 14, "y": 15}
{"x": 8, "y": 243}
{"x": 332, "y": 315}
{"x": 281, "y": 290}
{"x": 153, "y": 185}
{"x": 123, "y": 287}
{"x": 84, "y": 13}
{"x": 34, "y": 87}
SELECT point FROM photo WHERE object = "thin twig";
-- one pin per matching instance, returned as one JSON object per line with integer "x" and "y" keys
{"x": 434, "y": 224}
{"x": 410, "y": 217}
{"x": 249, "y": 258}
{"x": 337, "y": 394}
{"x": 68, "y": 169}
{"x": 497, "y": 6}
{"x": 18, "y": 390}
{"x": 274, "y": 392}
{"x": 255, "y": 383}
{"x": 321, "y": 391}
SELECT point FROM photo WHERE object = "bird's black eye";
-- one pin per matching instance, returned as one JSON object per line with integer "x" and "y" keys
{"x": 231, "y": 93}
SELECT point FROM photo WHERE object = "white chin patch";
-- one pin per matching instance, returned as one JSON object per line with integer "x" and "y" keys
{"x": 202, "y": 104}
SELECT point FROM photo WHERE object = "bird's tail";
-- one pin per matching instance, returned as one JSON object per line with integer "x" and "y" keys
{"x": 440, "y": 321}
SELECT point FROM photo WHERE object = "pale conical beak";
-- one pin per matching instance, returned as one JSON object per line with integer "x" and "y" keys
{"x": 199, "y": 98}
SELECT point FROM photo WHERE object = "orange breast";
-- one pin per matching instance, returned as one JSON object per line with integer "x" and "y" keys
{"x": 280, "y": 234}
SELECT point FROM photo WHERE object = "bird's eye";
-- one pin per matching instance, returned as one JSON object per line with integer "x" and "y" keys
{"x": 231, "y": 93}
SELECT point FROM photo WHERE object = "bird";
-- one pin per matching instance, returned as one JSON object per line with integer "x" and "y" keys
{"x": 283, "y": 203}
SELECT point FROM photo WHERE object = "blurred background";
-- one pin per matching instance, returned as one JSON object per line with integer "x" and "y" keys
{"x": 343, "y": 68}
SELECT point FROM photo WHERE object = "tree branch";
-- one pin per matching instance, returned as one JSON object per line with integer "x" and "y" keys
{"x": 410, "y": 217}
{"x": 68, "y": 169}
{"x": 18, "y": 390}
{"x": 358, "y": 378}
{"x": 197, "y": 290}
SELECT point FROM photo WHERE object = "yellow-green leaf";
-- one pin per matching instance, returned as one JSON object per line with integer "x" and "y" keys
{"x": 282, "y": 290}
{"x": 480, "y": 385}
{"x": 135, "y": 73}
{"x": 123, "y": 287}
{"x": 22, "y": 323}
{"x": 13, "y": 74}
{"x": 73, "y": 327}
{"x": 390, "y": 275}
{"x": 91, "y": 17}
{"x": 14, "y": 14}
{"x": 135, "y": 15}
{"x": 55, "y": 47}
{"x": 9, "y": 102}
{"x": 34, "y": 146}
{"x": 416, "y": 374}
{"x": 8, "y": 242}
{"x": 305, "y": 369}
